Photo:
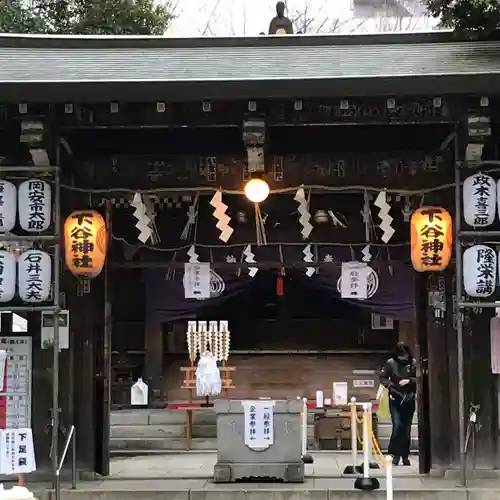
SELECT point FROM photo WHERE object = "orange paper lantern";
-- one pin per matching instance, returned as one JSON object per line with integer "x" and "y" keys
{"x": 86, "y": 243}
{"x": 431, "y": 239}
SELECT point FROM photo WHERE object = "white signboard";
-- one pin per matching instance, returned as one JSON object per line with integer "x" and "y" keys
{"x": 360, "y": 384}
{"x": 495, "y": 345}
{"x": 15, "y": 397}
{"x": 197, "y": 280}
{"x": 479, "y": 200}
{"x": 340, "y": 393}
{"x": 259, "y": 424}
{"x": 47, "y": 337}
{"x": 354, "y": 280}
{"x": 17, "y": 453}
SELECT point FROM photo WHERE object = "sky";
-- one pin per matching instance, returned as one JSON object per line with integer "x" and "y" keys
{"x": 251, "y": 17}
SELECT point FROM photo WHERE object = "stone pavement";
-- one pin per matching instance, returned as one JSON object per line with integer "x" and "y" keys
{"x": 201, "y": 466}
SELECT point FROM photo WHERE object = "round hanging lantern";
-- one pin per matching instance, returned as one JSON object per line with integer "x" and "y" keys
{"x": 8, "y": 270}
{"x": 256, "y": 190}
{"x": 431, "y": 239}
{"x": 35, "y": 205}
{"x": 86, "y": 243}
{"x": 34, "y": 276}
{"x": 479, "y": 200}
{"x": 8, "y": 206}
{"x": 480, "y": 271}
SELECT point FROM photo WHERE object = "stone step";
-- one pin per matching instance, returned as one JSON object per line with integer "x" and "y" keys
{"x": 165, "y": 443}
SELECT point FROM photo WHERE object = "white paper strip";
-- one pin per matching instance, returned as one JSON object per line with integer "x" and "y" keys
{"x": 223, "y": 219}
{"x": 305, "y": 216}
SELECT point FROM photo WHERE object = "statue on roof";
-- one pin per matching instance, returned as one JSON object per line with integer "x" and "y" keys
{"x": 281, "y": 25}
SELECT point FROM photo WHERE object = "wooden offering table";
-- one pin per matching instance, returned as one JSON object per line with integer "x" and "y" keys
{"x": 189, "y": 384}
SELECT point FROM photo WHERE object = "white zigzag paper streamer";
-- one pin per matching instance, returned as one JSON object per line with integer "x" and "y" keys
{"x": 143, "y": 220}
{"x": 367, "y": 256}
{"x": 193, "y": 256}
{"x": 250, "y": 259}
{"x": 387, "y": 230}
{"x": 305, "y": 216}
{"x": 308, "y": 257}
{"x": 223, "y": 219}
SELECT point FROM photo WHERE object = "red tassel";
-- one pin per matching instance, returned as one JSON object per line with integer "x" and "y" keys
{"x": 279, "y": 286}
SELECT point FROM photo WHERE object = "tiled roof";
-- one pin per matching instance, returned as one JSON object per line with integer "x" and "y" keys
{"x": 85, "y": 61}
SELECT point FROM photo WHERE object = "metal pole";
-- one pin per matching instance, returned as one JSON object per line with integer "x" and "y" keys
{"x": 73, "y": 460}
{"x": 55, "y": 367}
{"x": 460, "y": 334}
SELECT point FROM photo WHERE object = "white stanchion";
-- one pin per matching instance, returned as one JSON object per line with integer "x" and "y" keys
{"x": 388, "y": 482}
{"x": 366, "y": 482}
{"x": 351, "y": 469}
{"x": 306, "y": 458}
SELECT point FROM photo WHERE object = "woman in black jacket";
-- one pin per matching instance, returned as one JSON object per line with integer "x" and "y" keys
{"x": 399, "y": 376}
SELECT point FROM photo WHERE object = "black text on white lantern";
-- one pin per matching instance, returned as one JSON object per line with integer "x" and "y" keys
{"x": 34, "y": 276}
{"x": 35, "y": 204}
{"x": 480, "y": 271}
{"x": 480, "y": 196}
{"x": 8, "y": 269}
{"x": 8, "y": 206}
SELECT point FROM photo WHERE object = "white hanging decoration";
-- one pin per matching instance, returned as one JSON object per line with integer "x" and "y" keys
{"x": 208, "y": 380}
{"x": 372, "y": 281}
{"x": 8, "y": 206}
{"x": 8, "y": 271}
{"x": 480, "y": 271}
{"x": 223, "y": 219}
{"x": 249, "y": 258}
{"x": 407, "y": 210}
{"x": 381, "y": 203}
{"x": 367, "y": 256}
{"x": 305, "y": 216}
{"x": 34, "y": 276}
{"x": 192, "y": 214}
{"x": 309, "y": 257}
{"x": 34, "y": 205}
{"x": 143, "y": 221}
{"x": 479, "y": 200}
{"x": 193, "y": 256}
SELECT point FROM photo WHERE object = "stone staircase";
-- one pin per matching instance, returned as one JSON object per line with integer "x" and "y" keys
{"x": 145, "y": 431}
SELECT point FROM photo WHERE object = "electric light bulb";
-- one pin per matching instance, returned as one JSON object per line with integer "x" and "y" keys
{"x": 256, "y": 190}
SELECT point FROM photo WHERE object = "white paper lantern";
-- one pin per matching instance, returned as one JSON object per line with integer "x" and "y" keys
{"x": 479, "y": 200}
{"x": 35, "y": 205}
{"x": 8, "y": 270}
{"x": 34, "y": 276}
{"x": 480, "y": 271}
{"x": 8, "y": 206}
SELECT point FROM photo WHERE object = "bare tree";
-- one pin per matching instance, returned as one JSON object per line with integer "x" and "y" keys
{"x": 251, "y": 17}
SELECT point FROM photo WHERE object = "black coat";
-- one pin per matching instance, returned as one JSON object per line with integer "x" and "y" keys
{"x": 393, "y": 372}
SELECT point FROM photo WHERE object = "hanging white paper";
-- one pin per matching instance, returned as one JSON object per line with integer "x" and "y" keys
{"x": 479, "y": 200}
{"x": 305, "y": 216}
{"x": 259, "y": 424}
{"x": 354, "y": 280}
{"x": 8, "y": 271}
{"x": 8, "y": 206}
{"x": 223, "y": 219}
{"x": 208, "y": 380}
{"x": 34, "y": 276}
{"x": 249, "y": 258}
{"x": 143, "y": 220}
{"x": 197, "y": 280}
{"x": 139, "y": 393}
{"x": 385, "y": 218}
{"x": 35, "y": 205}
{"x": 480, "y": 271}
{"x": 17, "y": 453}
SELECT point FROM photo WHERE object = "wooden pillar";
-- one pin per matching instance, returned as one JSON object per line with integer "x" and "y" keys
{"x": 153, "y": 360}
{"x": 438, "y": 375}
